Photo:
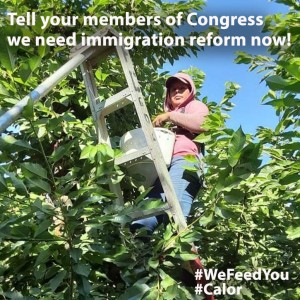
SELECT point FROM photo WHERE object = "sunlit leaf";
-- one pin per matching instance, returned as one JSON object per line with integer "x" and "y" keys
{"x": 38, "y": 185}
{"x": 11, "y": 144}
{"x": 7, "y": 53}
{"x": 293, "y": 233}
{"x": 18, "y": 184}
{"x": 278, "y": 83}
{"x": 34, "y": 169}
{"x": 235, "y": 147}
{"x": 135, "y": 292}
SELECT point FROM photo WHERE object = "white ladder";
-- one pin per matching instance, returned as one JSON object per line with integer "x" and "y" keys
{"x": 130, "y": 95}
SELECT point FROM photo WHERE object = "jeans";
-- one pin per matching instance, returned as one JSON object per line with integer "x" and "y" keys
{"x": 186, "y": 184}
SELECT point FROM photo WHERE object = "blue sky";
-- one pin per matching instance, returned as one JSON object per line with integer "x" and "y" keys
{"x": 219, "y": 67}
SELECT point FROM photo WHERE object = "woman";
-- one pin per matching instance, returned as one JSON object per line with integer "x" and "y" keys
{"x": 186, "y": 114}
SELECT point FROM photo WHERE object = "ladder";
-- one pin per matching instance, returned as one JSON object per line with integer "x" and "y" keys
{"x": 130, "y": 95}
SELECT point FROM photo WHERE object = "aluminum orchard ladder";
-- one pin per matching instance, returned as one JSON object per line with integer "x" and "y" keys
{"x": 86, "y": 57}
{"x": 130, "y": 95}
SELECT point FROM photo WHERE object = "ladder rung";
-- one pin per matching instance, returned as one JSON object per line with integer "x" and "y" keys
{"x": 132, "y": 156}
{"x": 115, "y": 102}
{"x": 149, "y": 212}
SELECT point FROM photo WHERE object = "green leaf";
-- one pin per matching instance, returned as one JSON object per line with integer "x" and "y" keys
{"x": 224, "y": 212}
{"x": 206, "y": 219}
{"x": 9, "y": 143}
{"x": 289, "y": 177}
{"x": 167, "y": 281}
{"x": 105, "y": 151}
{"x": 57, "y": 280}
{"x": 293, "y": 233}
{"x": 40, "y": 271}
{"x": 42, "y": 227}
{"x": 7, "y": 53}
{"x": 38, "y": 185}
{"x": 235, "y": 147}
{"x": 231, "y": 90}
{"x": 67, "y": 91}
{"x": 100, "y": 75}
{"x": 18, "y": 184}
{"x": 185, "y": 256}
{"x": 28, "y": 112}
{"x": 101, "y": 2}
{"x": 82, "y": 269}
{"x": 86, "y": 152}
{"x": 3, "y": 186}
{"x": 3, "y": 90}
{"x": 153, "y": 263}
{"x": 42, "y": 257}
{"x": 34, "y": 62}
{"x": 43, "y": 50}
{"x": 42, "y": 131}
{"x": 135, "y": 292}
{"x": 34, "y": 169}
{"x": 21, "y": 231}
{"x": 85, "y": 288}
{"x": 121, "y": 219}
{"x": 277, "y": 83}
{"x": 234, "y": 196}
{"x": 45, "y": 208}
{"x": 76, "y": 254}
{"x": 62, "y": 151}
{"x": 243, "y": 58}
{"x": 203, "y": 138}
{"x": 292, "y": 66}
{"x": 25, "y": 71}
{"x": 191, "y": 236}
{"x": 14, "y": 295}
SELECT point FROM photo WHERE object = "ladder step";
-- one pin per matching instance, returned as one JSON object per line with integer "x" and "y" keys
{"x": 149, "y": 212}
{"x": 115, "y": 102}
{"x": 134, "y": 156}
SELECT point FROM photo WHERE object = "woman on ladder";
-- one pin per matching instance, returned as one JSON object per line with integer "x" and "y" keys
{"x": 186, "y": 115}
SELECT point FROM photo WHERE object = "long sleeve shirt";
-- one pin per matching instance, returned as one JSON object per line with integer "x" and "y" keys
{"x": 189, "y": 117}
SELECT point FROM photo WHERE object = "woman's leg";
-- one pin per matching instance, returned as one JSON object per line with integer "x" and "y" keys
{"x": 149, "y": 223}
{"x": 186, "y": 184}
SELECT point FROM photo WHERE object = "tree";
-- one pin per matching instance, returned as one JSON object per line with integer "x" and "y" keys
{"x": 62, "y": 236}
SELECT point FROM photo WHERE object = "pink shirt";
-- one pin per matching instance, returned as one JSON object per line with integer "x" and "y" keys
{"x": 190, "y": 117}
{"x": 187, "y": 117}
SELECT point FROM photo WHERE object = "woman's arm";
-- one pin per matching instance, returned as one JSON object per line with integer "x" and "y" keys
{"x": 191, "y": 119}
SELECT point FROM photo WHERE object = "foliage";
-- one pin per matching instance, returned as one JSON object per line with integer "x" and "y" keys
{"x": 62, "y": 236}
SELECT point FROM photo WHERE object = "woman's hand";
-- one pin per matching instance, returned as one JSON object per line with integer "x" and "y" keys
{"x": 160, "y": 120}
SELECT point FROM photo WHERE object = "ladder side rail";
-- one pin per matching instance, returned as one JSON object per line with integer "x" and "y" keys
{"x": 44, "y": 88}
{"x": 152, "y": 142}
{"x": 92, "y": 94}
{"x": 99, "y": 120}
